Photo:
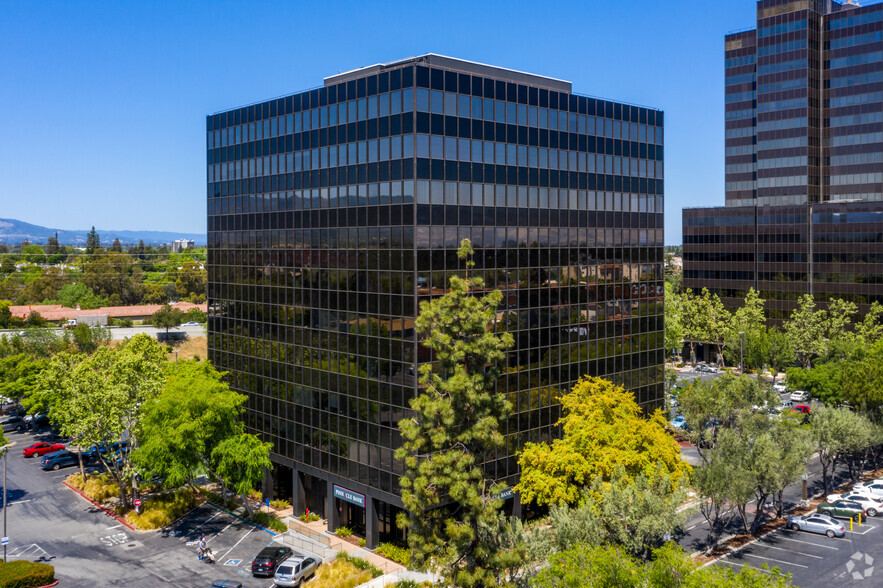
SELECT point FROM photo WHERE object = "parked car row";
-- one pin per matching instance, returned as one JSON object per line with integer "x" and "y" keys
{"x": 287, "y": 568}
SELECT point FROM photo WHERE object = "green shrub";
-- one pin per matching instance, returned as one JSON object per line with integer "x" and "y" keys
{"x": 397, "y": 554}
{"x": 362, "y": 542}
{"x": 343, "y": 532}
{"x": 159, "y": 511}
{"x": 216, "y": 498}
{"x": 309, "y": 517}
{"x": 360, "y": 563}
{"x": 406, "y": 584}
{"x": 269, "y": 521}
{"x": 25, "y": 574}
{"x": 98, "y": 487}
{"x": 280, "y": 503}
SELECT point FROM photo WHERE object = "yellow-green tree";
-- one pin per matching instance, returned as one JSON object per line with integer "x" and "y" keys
{"x": 603, "y": 429}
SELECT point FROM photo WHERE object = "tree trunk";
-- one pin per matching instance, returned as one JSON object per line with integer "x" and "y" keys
{"x": 778, "y": 502}
{"x": 247, "y": 505}
{"x": 759, "y": 513}
{"x": 80, "y": 459}
{"x": 693, "y": 353}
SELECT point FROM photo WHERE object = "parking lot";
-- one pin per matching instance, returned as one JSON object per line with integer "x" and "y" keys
{"x": 47, "y": 522}
{"x": 816, "y": 560}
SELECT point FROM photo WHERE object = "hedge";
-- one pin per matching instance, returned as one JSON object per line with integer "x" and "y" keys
{"x": 25, "y": 574}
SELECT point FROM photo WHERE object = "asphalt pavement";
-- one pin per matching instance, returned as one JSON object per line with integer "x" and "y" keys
{"x": 48, "y": 522}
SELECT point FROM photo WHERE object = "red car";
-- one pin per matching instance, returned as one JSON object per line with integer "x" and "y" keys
{"x": 800, "y": 408}
{"x": 42, "y": 449}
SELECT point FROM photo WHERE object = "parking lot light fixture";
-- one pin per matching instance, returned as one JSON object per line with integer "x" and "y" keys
{"x": 5, "y": 449}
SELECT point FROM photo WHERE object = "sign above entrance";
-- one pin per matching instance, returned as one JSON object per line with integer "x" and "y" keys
{"x": 349, "y": 496}
{"x": 505, "y": 494}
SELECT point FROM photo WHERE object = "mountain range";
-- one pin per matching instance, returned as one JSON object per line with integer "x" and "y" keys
{"x": 14, "y": 231}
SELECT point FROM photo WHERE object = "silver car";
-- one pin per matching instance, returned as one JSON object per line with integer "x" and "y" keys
{"x": 294, "y": 571}
{"x": 873, "y": 505}
{"x": 817, "y": 523}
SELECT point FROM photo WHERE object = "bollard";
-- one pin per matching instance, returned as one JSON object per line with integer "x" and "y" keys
{"x": 859, "y": 519}
{"x": 850, "y": 523}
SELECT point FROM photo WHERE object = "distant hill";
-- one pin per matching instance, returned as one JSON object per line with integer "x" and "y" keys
{"x": 15, "y": 231}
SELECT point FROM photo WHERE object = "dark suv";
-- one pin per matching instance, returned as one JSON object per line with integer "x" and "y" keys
{"x": 266, "y": 562}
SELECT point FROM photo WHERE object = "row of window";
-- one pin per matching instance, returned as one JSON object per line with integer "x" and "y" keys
{"x": 782, "y": 86}
{"x": 446, "y": 236}
{"x": 853, "y": 20}
{"x": 740, "y": 79}
{"x": 442, "y": 103}
{"x": 853, "y": 40}
{"x": 437, "y": 147}
{"x": 740, "y": 168}
{"x": 854, "y": 80}
{"x": 740, "y": 150}
{"x": 855, "y": 119}
{"x": 852, "y": 60}
{"x": 740, "y": 61}
{"x": 785, "y": 47}
{"x": 740, "y": 132}
{"x": 866, "y": 178}
{"x": 781, "y": 162}
{"x": 782, "y": 66}
{"x": 778, "y": 29}
{"x": 787, "y": 123}
{"x": 854, "y": 100}
{"x": 740, "y": 114}
{"x": 858, "y": 139}
{"x": 785, "y": 104}
{"x": 789, "y": 143}
{"x": 784, "y": 181}
{"x": 742, "y": 185}
{"x": 855, "y": 158}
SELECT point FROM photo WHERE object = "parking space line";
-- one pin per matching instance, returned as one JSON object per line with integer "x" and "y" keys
{"x": 238, "y": 542}
{"x": 807, "y": 543}
{"x": 787, "y": 563}
{"x": 732, "y": 563}
{"x": 768, "y": 546}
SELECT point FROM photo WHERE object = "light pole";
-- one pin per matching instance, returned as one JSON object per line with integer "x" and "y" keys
{"x": 176, "y": 357}
{"x": 5, "y": 450}
{"x": 741, "y": 345}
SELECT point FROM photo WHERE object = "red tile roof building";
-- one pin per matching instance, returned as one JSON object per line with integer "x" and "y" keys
{"x": 57, "y": 312}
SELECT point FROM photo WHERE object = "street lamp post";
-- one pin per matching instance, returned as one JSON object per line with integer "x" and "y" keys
{"x": 5, "y": 450}
{"x": 741, "y": 345}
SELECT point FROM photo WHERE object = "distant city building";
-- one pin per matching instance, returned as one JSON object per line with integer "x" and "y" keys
{"x": 804, "y": 161}
{"x": 180, "y": 245}
{"x": 334, "y": 212}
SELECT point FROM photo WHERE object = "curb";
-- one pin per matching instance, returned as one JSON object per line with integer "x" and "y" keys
{"x": 106, "y": 511}
{"x": 273, "y": 533}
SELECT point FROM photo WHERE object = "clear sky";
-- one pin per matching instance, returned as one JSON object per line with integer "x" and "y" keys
{"x": 103, "y": 104}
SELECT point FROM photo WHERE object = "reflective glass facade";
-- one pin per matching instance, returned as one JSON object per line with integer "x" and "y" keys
{"x": 333, "y": 213}
{"x": 804, "y": 130}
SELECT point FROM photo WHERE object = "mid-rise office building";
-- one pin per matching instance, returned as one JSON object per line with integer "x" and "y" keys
{"x": 333, "y": 213}
{"x": 804, "y": 161}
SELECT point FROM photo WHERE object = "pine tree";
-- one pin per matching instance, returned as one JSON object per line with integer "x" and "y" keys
{"x": 93, "y": 241}
{"x": 453, "y": 517}
{"x": 52, "y": 245}
{"x": 117, "y": 247}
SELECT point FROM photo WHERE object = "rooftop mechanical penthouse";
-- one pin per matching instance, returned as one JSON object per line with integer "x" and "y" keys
{"x": 332, "y": 213}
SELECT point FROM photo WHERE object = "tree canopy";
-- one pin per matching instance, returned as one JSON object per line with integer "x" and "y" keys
{"x": 603, "y": 429}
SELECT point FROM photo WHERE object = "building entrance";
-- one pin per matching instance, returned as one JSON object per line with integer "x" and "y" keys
{"x": 352, "y": 516}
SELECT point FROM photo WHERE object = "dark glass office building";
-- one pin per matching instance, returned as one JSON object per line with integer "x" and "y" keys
{"x": 804, "y": 160}
{"x": 332, "y": 213}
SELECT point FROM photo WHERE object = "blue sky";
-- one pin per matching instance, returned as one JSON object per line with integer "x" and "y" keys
{"x": 104, "y": 103}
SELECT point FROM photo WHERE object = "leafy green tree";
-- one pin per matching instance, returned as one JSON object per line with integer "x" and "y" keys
{"x": 240, "y": 462}
{"x": 116, "y": 247}
{"x": 674, "y": 326}
{"x": 98, "y": 399}
{"x": 45, "y": 286}
{"x": 167, "y": 318}
{"x": 823, "y": 382}
{"x": 452, "y": 512}
{"x": 5, "y": 314}
{"x": 52, "y": 246}
{"x": 870, "y": 329}
{"x": 195, "y": 315}
{"x": 724, "y": 484}
{"x": 79, "y": 294}
{"x": 589, "y": 566}
{"x": 193, "y": 414}
{"x": 18, "y": 374}
{"x": 806, "y": 330}
{"x": 862, "y": 382}
{"x": 778, "y": 353}
{"x": 747, "y": 330}
{"x": 191, "y": 282}
{"x": 93, "y": 242}
{"x": 114, "y": 276}
{"x": 33, "y": 254}
{"x": 88, "y": 338}
{"x": 603, "y": 429}
{"x": 837, "y": 432}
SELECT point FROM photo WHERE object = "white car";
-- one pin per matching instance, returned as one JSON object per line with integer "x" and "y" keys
{"x": 780, "y": 387}
{"x": 190, "y": 324}
{"x": 296, "y": 570}
{"x": 874, "y": 488}
{"x": 873, "y": 505}
{"x": 799, "y": 396}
